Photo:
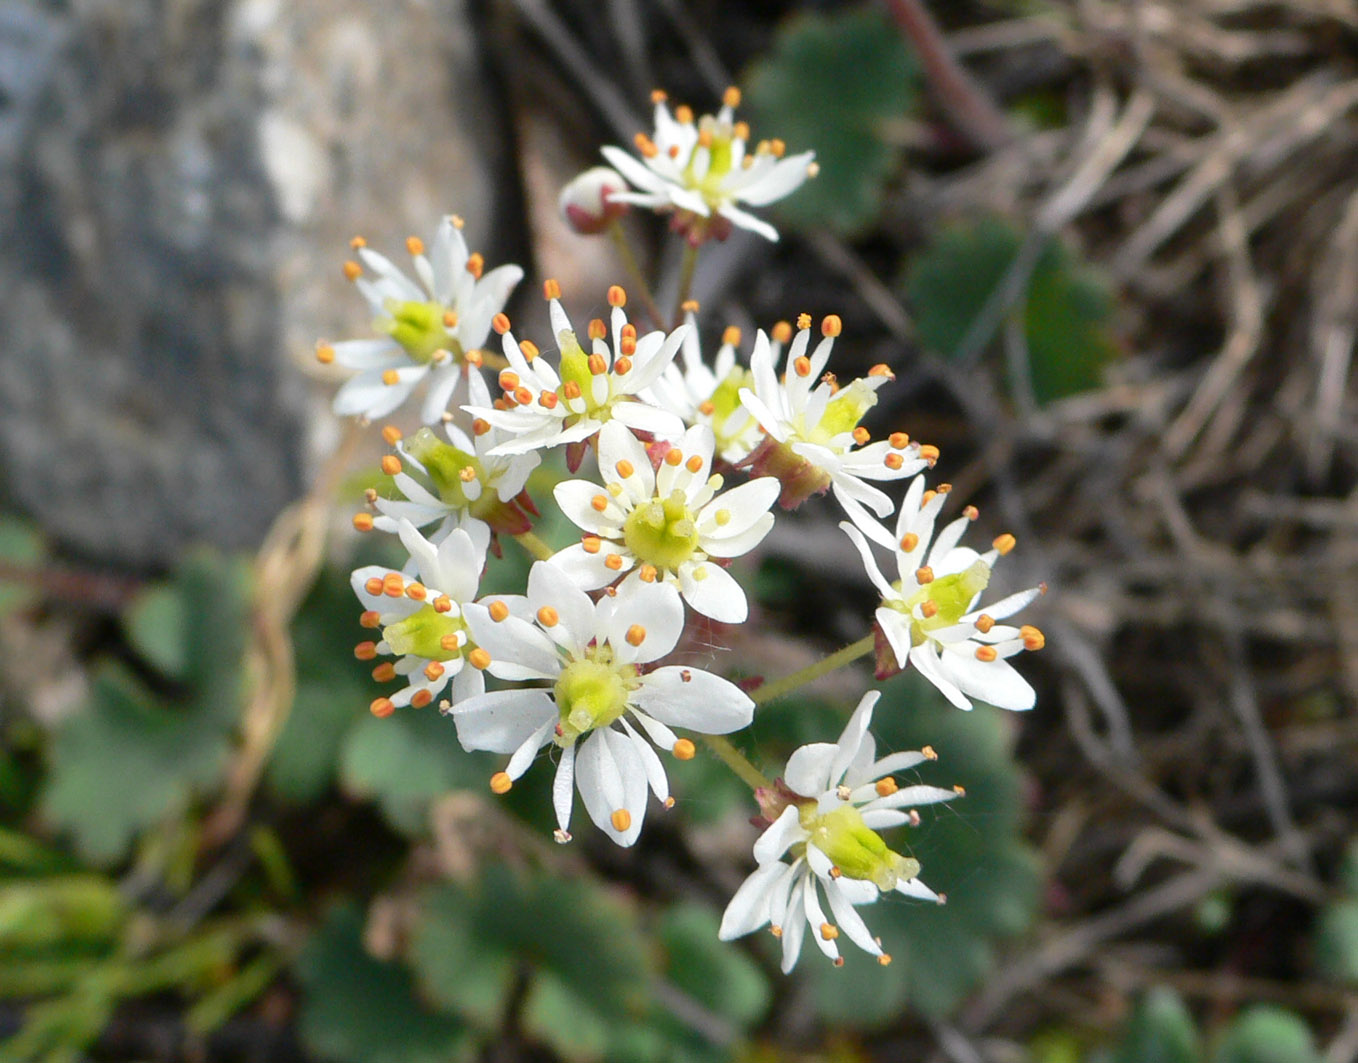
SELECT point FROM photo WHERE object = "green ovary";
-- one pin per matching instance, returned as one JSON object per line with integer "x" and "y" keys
{"x": 843, "y": 412}
{"x": 590, "y": 692}
{"x": 444, "y": 464}
{"x": 662, "y": 532}
{"x": 419, "y": 329}
{"x": 423, "y": 634}
{"x": 855, "y": 848}
{"x": 952, "y": 594}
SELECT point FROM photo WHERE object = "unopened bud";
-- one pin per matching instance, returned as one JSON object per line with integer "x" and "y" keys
{"x": 585, "y": 202}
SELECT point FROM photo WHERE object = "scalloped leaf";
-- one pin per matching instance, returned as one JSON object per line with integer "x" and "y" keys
{"x": 357, "y": 1009}
{"x": 1065, "y": 317}
{"x": 1267, "y": 1034}
{"x": 835, "y": 83}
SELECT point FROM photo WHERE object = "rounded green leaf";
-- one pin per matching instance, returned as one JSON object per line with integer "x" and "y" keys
{"x": 1267, "y": 1034}
{"x": 1161, "y": 1029}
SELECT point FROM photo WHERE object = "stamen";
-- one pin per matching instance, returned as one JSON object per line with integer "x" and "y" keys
{"x": 741, "y": 131}
{"x": 617, "y": 296}
{"x": 548, "y": 400}
{"x": 623, "y": 365}
{"x": 416, "y": 591}
{"x": 501, "y": 783}
{"x": 414, "y": 245}
{"x": 924, "y": 575}
{"x": 421, "y": 698}
{"x": 450, "y": 319}
{"x": 843, "y": 791}
{"x": 1033, "y": 639}
{"x": 476, "y": 263}
{"x": 689, "y": 306}
{"x": 984, "y": 623}
{"x": 684, "y": 749}
{"x": 500, "y": 323}
{"x": 433, "y": 670}
{"x": 803, "y": 322}
{"x": 686, "y": 676}
{"x": 986, "y": 653}
{"x": 781, "y": 332}
{"x": 960, "y": 791}
{"x": 776, "y": 931}
{"x": 393, "y": 586}
{"x": 614, "y": 489}
{"x": 636, "y": 635}
{"x": 479, "y": 659}
{"x": 498, "y": 611}
{"x": 929, "y": 609}
{"x": 371, "y": 618}
{"x": 598, "y": 365}
{"x": 456, "y": 220}
{"x": 909, "y": 541}
{"x": 777, "y": 147}
{"x": 828, "y": 931}
{"x": 529, "y": 350}
{"x": 836, "y": 872}
{"x": 886, "y": 787}
{"x": 384, "y": 672}
{"x": 674, "y": 456}
{"x": 391, "y": 435}
{"x": 561, "y": 837}
{"x": 365, "y": 651}
{"x": 944, "y": 489}
{"x": 591, "y": 543}
{"x": 882, "y": 369}
{"x": 391, "y": 378}
{"x": 861, "y": 435}
{"x": 325, "y": 354}
{"x": 571, "y": 390}
{"x": 613, "y": 562}
{"x": 831, "y": 325}
{"x": 351, "y": 270}
{"x": 669, "y": 803}
{"x": 707, "y": 407}
{"x": 391, "y": 464}
{"x": 599, "y": 503}
{"x": 812, "y": 169}
{"x": 1004, "y": 543}
{"x": 548, "y": 617}
{"x": 551, "y": 288}
{"x": 646, "y": 146}
{"x": 731, "y": 97}
{"x": 899, "y": 440}
{"x": 658, "y": 96}
{"x": 509, "y": 380}
{"x": 363, "y": 522}
{"x": 971, "y": 512}
{"x": 893, "y": 460}
{"x": 731, "y": 336}
{"x": 474, "y": 358}
{"x": 443, "y": 604}
{"x": 802, "y": 365}
{"x": 929, "y": 753}
{"x": 929, "y": 453}
{"x": 597, "y": 329}
{"x": 621, "y": 820}
{"x": 884, "y": 959}
{"x": 449, "y": 643}
{"x": 694, "y": 463}
{"x": 357, "y": 242}
{"x": 382, "y": 708}
{"x": 648, "y": 573}
{"x": 683, "y": 114}
{"x": 373, "y": 585}
{"x": 522, "y": 395}
{"x": 722, "y": 517}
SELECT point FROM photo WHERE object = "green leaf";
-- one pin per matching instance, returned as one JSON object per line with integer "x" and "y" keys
{"x": 1336, "y": 941}
{"x": 1065, "y": 314}
{"x": 155, "y": 626}
{"x": 715, "y": 974}
{"x": 577, "y": 946}
{"x": 1267, "y": 1034}
{"x": 836, "y": 84}
{"x": 1161, "y": 1029}
{"x": 970, "y": 849}
{"x": 357, "y": 1009}
{"x": 124, "y": 763}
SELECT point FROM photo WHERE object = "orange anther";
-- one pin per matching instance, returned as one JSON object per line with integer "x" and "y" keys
{"x": 828, "y": 931}
{"x": 893, "y": 460}
{"x": 1004, "y": 543}
{"x": 391, "y": 377}
{"x": 674, "y": 456}
{"x": 508, "y": 379}
{"x": 391, "y": 464}
{"x": 694, "y": 463}
{"x": 598, "y": 364}
{"x": 777, "y": 147}
{"x": 414, "y": 245}
{"x": 684, "y": 749}
{"x": 373, "y": 585}
{"x": 551, "y": 288}
{"x": 705, "y": 138}
{"x": 529, "y": 350}
{"x": 803, "y": 321}
{"x": 617, "y": 296}
{"x": 929, "y": 753}
{"x": 802, "y": 365}
{"x": 731, "y": 97}
{"x": 884, "y": 959}
{"x": 479, "y": 658}
{"x": 391, "y": 435}
{"x": 636, "y": 635}
{"x": 393, "y": 586}
{"x": 899, "y": 440}
{"x": 683, "y": 114}
{"x": 971, "y": 512}
{"x": 621, "y": 820}
{"x": 707, "y": 407}
{"x": 689, "y": 306}
{"x": 929, "y": 453}
{"x": 351, "y": 270}
{"x": 648, "y": 573}
{"x": 909, "y": 541}
{"x": 886, "y": 787}
{"x": 370, "y": 618}
{"x": 501, "y": 783}
{"x": 646, "y": 146}
{"x": 450, "y": 319}
{"x": 924, "y": 575}
{"x": 658, "y": 96}
{"x": 480, "y": 426}
{"x": 597, "y": 328}
{"x": 731, "y": 336}
{"x": 475, "y": 358}
{"x": 416, "y": 591}
{"x": 449, "y": 643}
{"x": 591, "y": 543}
{"x": 381, "y": 707}
{"x": 882, "y": 369}
{"x": 627, "y": 346}
{"x": 943, "y": 489}
{"x": 625, "y": 468}
{"x": 547, "y": 400}
{"x": 475, "y": 264}
{"x": 926, "y": 498}
{"x": 443, "y": 604}
{"x": 363, "y": 522}
{"x": 781, "y": 332}
{"x": 548, "y": 617}
{"x": 433, "y": 670}
{"x": 623, "y": 365}
{"x": 984, "y": 623}
{"x": 357, "y": 242}
{"x": 522, "y": 395}
{"x": 570, "y": 390}
{"x": 599, "y": 503}
{"x": 325, "y": 354}
{"x": 986, "y": 653}
{"x": 741, "y": 131}
{"x": 365, "y": 651}
{"x": 500, "y": 323}
{"x": 613, "y": 562}
{"x": 929, "y": 608}
{"x": 831, "y": 325}
{"x": 385, "y": 672}
{"x": 861, "y": 435}
{"x": 421, "y": 698}
{"x": 1033, "y": 639}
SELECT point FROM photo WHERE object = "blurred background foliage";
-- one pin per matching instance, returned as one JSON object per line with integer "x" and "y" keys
{"x": 1088, "y": 252}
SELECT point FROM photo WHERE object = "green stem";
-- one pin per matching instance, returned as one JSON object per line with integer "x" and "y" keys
{"x": 770, "y": 691}
{"x": 686, "y": 269}
{"x": 736, "y": 761}
{"x": 629, "y": 262}
{"x": 534, "y": 545}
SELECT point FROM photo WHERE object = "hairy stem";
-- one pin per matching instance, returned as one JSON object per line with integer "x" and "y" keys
{"x": 777, "y": 688}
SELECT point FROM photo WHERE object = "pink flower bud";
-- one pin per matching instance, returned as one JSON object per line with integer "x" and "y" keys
{"x": 585, "y": 201}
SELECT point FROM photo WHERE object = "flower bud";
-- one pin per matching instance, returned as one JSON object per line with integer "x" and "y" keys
{"x": 585, "y": 202}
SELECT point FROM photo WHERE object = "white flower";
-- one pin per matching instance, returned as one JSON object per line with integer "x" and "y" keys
{"x": 711, "y": 396}
{"x": 587, "y": 202}
{"x": 459, "y": 482}
{"x": 702, "y": 169}
{"x": 814, "y": 439}
{"x": 664, "y": 524}
{"x": 543, "y": 408}
{"x": 930, "y": 615}
{"x": 428, "y": 327}
{"x": 836, "y": 797}
{"x": 422, "y": 620}
{"x": 600, "y": 708}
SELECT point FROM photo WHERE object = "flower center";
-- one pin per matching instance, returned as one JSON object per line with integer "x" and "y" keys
{"x": 428, "y": 633}
{"x": 662, "y": 532}
{"x": 446, "y": 466}
{"x": 591, "y": 692}
{"x": 725, "y": 403}
{"x": 575, "y": 370}
{"x": 419, "y": 328}
{"x": 952, "y": 594}
{"x": 855, "y": 848}
{"x": 843, "y": 412}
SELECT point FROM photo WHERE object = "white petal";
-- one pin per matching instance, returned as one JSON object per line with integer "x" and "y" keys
{"x": 815, "y": 918}
{"x": 660, "y": 423}
{"x": 502, "y": 720}
{"x": 550, "y": 586}
{"x": 617, "y": 445}
{"x": 518, "y": 650}
{"x": 563, "y": 788}
{"x": 748, "y": 910}
{"x": 785, "y": 177}
{"x": 701, "y": 702}
{"x": 576, "y": 499}
{"x": 995, "y": 682}
{"x": 523, "y": 756}
{"x": 745, "y": 220}
{"x": 879, "y": 581}
{"x": 852, "y": 737}
{"x": 654, "y": 608}
{"x": 925, "y": 659}
{"x": 850, "y": 921}
{"x": 915, "y": 888}
{"x": 655, "y": 771}
{"x": 785, "y": 831}
{"x": 808, "y": 769}
{"x": 713, "y": 591}
{"x": 588, "y": 571}
{"x": 795, "y": 929}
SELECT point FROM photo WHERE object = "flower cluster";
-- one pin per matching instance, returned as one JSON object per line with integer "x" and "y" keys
{"x": 689, "y": 457}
